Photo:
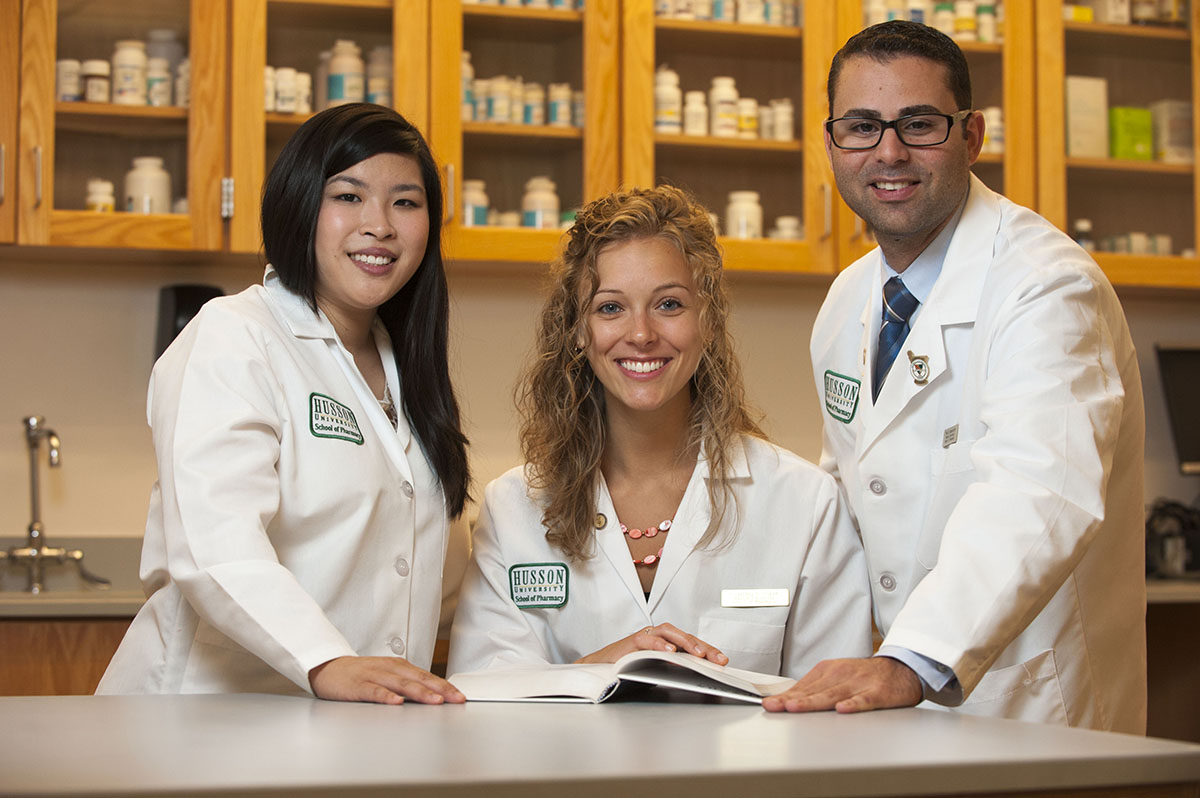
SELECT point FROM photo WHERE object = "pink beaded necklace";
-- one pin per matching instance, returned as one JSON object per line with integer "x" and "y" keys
{"x": 650, "y": 531}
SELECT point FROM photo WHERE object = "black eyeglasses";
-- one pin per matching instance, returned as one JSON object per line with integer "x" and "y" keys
{"x": 914, "y": 130}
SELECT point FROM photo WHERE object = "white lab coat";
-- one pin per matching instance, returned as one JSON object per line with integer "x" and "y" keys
{"x": 793, "y": 534}
{"x": 1000, "y": 498}
{"x": 283, "y": 530}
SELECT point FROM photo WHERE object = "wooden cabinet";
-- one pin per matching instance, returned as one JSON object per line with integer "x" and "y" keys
{"x": 49, "y": 150}
{"x": 56, "y": 656}
{"x": 289, "y": 33}
{"x": 59, "y": 146}
{"x": 1001, "y": 75}
{"x": 1141, "y": 64}
{"x": 543, "y": 46}
{"x": 793, "y": 178}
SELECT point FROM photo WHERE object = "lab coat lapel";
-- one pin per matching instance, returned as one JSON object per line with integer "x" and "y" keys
{"x": 303, "y": 323}
{"x": 953, "y": 301}
{"x": 611, "y": 543}
{"x": 692, "y": 519}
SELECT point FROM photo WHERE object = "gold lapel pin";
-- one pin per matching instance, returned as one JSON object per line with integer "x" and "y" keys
{"x": 600, "y": 521}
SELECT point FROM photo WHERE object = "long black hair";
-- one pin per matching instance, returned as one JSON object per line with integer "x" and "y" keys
{"x": 417, "y": 317}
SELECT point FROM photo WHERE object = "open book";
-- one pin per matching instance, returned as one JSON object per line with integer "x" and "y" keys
{"x": 596, "y": 683}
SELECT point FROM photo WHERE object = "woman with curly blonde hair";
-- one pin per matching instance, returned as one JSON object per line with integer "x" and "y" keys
{"x": 651, "y": 510}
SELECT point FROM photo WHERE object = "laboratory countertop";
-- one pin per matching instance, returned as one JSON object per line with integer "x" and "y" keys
{"x": 263, "y": 745}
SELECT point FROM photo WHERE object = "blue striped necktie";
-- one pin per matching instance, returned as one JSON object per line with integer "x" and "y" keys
{"x": 898, "y": 307}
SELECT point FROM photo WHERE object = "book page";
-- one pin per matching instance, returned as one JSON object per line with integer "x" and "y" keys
{"x": 748, "y": 682}
{"x": 579, "y": 683}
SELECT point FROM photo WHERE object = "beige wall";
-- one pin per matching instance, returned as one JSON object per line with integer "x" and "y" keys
{"x": 77, "y": 341}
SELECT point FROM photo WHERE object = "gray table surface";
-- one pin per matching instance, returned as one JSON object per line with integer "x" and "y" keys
{"x": 275, "y": 745}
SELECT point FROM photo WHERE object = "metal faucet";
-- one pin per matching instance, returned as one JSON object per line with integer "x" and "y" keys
{"x": 35, "y": 553}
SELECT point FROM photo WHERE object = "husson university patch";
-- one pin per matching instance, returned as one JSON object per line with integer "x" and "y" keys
{"x": 841, "y": 396}
{"x": 539, "y": 584}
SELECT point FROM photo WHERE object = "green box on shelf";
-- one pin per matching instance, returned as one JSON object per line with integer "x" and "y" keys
{"x": 1130, "y": 133}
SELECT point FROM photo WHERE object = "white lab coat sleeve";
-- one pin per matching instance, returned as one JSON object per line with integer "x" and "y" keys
{"x": 1050, "y": 410}
{"x": 216, "y": 411}
{"x": 489, "y": 629}
{"x": 831, "y": 614}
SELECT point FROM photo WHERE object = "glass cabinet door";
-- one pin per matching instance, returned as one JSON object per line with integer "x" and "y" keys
{"x": 776, "y": 68}
{"x": 542, "y": 104}
{"x": 64, "y": 143}
{"x": 1141, "y": 202}
{"x": 286, "y": 34}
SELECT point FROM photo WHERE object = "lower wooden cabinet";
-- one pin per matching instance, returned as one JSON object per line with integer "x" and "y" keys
{"x": 56, "y": 656}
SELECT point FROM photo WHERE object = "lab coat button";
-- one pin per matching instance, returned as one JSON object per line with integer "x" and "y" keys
{"x": 877, "y": 487}
{"x": 396, "y": 644}
{"x": 407, "y": 489}
{"x": 402, "y": 566}
{"x": 887, "y": 582}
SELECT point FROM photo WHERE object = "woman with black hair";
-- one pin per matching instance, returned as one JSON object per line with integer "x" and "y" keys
{"x": 309, "y": 448}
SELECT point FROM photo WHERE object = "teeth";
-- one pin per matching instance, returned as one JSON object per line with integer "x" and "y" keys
{"x": 892, "y": 186}
{"x": 642, "y": 366}
{"x": 371, "y": 260}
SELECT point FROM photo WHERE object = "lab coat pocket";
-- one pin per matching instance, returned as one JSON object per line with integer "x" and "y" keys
{"x": 750, "y": 645}
{"x": 1027, "y": 691}
{"x": 951, "y": 472}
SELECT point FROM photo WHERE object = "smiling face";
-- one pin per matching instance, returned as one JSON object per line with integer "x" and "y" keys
{"x": 644, "y": 325}
{"x": 372, "y": 230}
{"x": 907, "y": 194}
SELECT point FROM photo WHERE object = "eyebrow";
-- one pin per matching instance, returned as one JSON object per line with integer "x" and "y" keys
{"x": 399, "y": 188}
{"x": 908, "y": 110}
{"x": 663, "y": 287}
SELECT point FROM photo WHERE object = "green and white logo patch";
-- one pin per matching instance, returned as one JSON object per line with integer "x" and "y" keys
{"x": 329, "y": 418}
{"x": 539, "y": 584}
{"x": 841, "y": 396}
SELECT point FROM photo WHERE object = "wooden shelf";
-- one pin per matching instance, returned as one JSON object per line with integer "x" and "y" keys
{"x": 130, "y": 121}
{"x": 1127, "y": 166}
{"x": 767, "y": 256}
{"x": 524, "y": 132}
{"x": 521, "y": 24}
{"x": 706, "y": 26}
{"x": 133, "y": 230}
{"x": 1127, "y": 31}
{"x": 724, "y": 143}
{"x": 983, "y": 48}
{"x": 1132, "y": 41}
{"x": 1150, "y": 271}
{"x": 501, "y": 244}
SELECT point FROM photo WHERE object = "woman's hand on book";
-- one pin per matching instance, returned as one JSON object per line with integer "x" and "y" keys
{"x": 663, "y": 637}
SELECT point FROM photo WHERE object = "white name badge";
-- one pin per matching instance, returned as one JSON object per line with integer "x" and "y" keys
{"x": 756, "y": 597}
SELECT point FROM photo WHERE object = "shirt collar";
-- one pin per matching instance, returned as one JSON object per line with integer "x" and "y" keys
{"x": 923, "y": 272}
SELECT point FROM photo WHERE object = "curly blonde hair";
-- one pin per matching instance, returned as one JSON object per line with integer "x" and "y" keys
{"x": 562, "y": 403}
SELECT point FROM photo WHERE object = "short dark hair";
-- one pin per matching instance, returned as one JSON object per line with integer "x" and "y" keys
{"x": 417, "y": 317}
{"x": 897, "y": 37}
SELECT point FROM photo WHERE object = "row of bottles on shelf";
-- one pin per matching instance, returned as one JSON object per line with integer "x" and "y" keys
{"x": 1129, "y": 12}
{"x": 513, "y": 101}
{"x": 723, "y": 113}
{"x": 755, "y": 12}
{"x": 556, "y": 5}
{"x": 140, "y": 72}
{"x": 540, "y": 211}
{"x": 341, "y": 77}
{"x": 1131, "y": 243}
{"x": 147, "y": 190}
{"x": 539, "y": 207}
{"x": 963, "y": 20}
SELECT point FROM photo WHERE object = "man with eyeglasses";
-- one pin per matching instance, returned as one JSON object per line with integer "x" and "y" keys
{"x": 983, "y": 416}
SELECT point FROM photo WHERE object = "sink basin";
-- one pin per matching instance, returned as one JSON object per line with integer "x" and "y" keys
{"x": 65, "y": 593}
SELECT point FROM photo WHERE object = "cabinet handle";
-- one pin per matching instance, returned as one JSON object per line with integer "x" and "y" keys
{"x": 827, "y": 196}
{"x": 3, "y": 171}
{"x": 37, "y": 177}
{"x": 451, "y": 203}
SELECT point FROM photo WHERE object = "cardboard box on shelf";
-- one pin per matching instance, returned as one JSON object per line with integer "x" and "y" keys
{"x": 1173, "y": 131}
{"x": 1131, "y": 133}
{"x": 1087, "y": 117}
{"x": 1113, "y": 12}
